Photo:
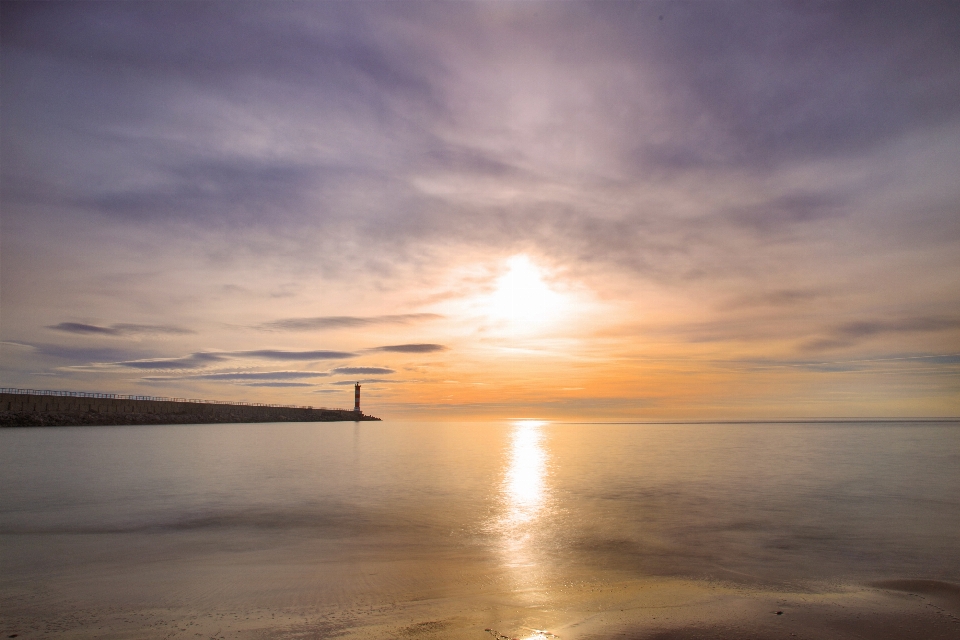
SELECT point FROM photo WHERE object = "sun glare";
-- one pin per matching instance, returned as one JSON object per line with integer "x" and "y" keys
{"x": 525, "y": 475}
{"x": 522, "y": 298}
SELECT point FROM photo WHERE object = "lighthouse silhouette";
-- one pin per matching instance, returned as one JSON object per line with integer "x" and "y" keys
{"x": 356, "y": 397}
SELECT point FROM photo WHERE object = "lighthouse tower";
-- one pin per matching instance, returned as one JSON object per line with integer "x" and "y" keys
{"x": 356, "y": 397}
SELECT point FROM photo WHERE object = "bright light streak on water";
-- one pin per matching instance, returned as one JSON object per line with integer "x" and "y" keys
{"x": 525, "y": 478}
{"x": 521, "y": 523}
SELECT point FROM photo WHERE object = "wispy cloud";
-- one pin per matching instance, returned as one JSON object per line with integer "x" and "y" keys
{"x": 203, "y": 358}
{"x": 245, "y": 375}
{"x": 278, "y": 354}
{"x": 850, "y": 333}
{"x": 782, "y": 212}
{"x": 121, "y": 329}
{"x": 276, "y": 384}
{"x": 942, "y": 363}
{"x": 344, "y": 383}
{"x": 775, "y": 298}
{"x": 362, "y": 370}
{"x": 193, "y": 361}
{"x": 76, "y": 327}
{"x": 260, "y": 379}
{"x": 84, "y": 355}
{"x": 411, "y": 348}
{"x": 340, "y": 322}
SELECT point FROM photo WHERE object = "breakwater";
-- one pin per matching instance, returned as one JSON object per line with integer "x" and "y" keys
{"x": 37, "y": 408}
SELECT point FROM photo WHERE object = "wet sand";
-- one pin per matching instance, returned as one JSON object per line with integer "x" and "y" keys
{"x": 653, "y": 609}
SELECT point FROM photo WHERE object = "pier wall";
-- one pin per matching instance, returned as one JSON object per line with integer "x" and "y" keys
{"x": 20, "y": 409}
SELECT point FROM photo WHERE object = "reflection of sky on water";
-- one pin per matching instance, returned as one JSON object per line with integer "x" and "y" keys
{"x": 523, "y": 497}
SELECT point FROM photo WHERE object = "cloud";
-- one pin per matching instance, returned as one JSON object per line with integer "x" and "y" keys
{"x": 411, "y": 156}
{"x": 262, "y": 375}
{"x": 76, "y": 327}
{"x": 118, "y": 329}
{"x": 775, "y": 298}
{"x": 198, "y": 360}
{"x": 276, "y": 354}
{"x": 203, "y": 358}
{"x": 784, "y": 211}
{"x": 777, "y": 98}
{"x": 937, "y": 363}
{"x": 341, "y": 322}
{"x": 411, "y": 348}
{"x": 85, "y": 355}
{"x": 193, "y": 361}
{"x": 849, "y": 333}
{"x": 344, "y": 383}
{"x": 124, "y": 328}
{"x": 203, "y": 188}
{"x": 277, "y": 384}
{"x": 245, "y": 375}
{"x": 363, "y": 370}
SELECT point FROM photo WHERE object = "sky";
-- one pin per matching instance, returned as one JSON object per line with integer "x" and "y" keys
{"x": 559, "y": 210}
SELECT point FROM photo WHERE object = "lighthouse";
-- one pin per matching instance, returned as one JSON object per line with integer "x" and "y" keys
{"x": 356, "y": 397}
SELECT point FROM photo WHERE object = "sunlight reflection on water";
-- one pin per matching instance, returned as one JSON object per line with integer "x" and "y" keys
{"x": 524, "y": 482}
{"x": 523, "y": 496}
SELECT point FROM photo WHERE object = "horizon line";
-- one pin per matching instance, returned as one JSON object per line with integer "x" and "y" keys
{"x": 825, "y": 420}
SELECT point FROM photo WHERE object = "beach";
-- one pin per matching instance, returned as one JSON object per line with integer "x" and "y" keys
{"x": 655, "y": 609}
{"x": 476, "y": 530}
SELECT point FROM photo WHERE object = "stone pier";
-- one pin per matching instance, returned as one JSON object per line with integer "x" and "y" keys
{"x": 21, "y": 409}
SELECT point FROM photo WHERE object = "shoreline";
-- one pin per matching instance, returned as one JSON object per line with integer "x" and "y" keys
{"x": 644, "y": 609}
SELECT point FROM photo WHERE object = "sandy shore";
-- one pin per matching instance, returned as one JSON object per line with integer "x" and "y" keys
{"x": 660, "y": 609}
{"x": 363, "y": 534}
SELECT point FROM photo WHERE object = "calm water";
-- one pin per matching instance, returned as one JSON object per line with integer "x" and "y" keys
{"x": 382, "y": 512}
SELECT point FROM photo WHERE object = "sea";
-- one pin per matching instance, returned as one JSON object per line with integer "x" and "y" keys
{"x": 373, "y": 518}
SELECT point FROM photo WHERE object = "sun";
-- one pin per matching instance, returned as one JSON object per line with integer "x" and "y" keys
{"x": 522, "y": 299}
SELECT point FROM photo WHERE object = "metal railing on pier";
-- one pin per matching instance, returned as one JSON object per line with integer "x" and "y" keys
{"x": 119, "y": 396}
